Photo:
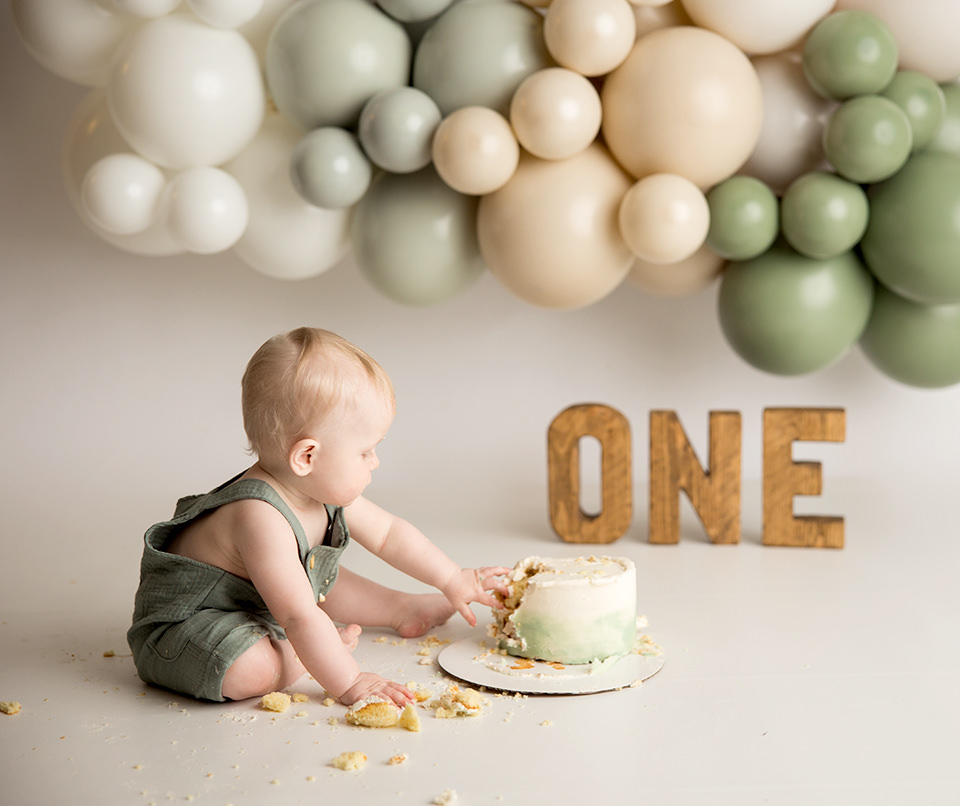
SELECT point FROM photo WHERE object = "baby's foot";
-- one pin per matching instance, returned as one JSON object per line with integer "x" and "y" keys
{"x": 421, "y": 612}
{"x": 350, "y": 635}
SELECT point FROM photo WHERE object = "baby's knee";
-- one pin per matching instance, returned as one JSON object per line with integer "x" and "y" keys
{"x": 256, "y": 672}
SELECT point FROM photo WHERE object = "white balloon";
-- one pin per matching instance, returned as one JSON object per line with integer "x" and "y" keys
{"x": 225, "y": 13}
{"x": 185, "y": 94}
{"x": 925, "y": 30}
{"x": 794, "y": 116}
{"x": 257, "y": 31}
{"x": 91, "y": 135}
{"x": 120, "y": 193}
{"x": 760, "y": 26}
{"x": 286, "y": 237}
{"x": 74, "y": 39}
{"x": 148, "y": 9}
{"x": 678, "y": 279}
{"x": 205, "y": 209}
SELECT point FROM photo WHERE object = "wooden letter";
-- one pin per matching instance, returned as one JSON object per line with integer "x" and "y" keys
{"x": 783, "y": 478}
{"x": 715, "y": 494}
{"x": 612, "y": 430}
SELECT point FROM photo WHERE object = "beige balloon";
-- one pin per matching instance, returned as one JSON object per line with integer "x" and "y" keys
{"x": 653, "y": 18}
{"x": 686, "y": 101}
{"x": 591, "y": 37}
{"x": 475, "y": 151}
{"x": 550, "y": 235}
{"x": 664, "y": 218}
{"x": 678, "y": 279}
{"x": 555, "y": 113}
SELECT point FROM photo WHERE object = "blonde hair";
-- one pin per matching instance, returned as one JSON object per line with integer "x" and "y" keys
{"x": 297, "y": 378}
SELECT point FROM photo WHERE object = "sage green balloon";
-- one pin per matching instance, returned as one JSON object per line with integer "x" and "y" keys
{"x": 947, "y": 138}
{"x": 923, "y": 102}
{"x": 867, "y": 139}
{"x": 477, "y": 54}
{"x": 396, "y": 129}
{"x": 912, "y": 243}
{"x": 823, "y": 215}
{"x": 849, "y": 53}
{"x": 413, "y": 10}
{"x": 918, "y": 345}
{"x": 744, "y": 219}
{"x": 788, "y": 314}
{"x": 326, "y": 58}
{"x": 329, "y": 169}
{"x": 415, "y": 239}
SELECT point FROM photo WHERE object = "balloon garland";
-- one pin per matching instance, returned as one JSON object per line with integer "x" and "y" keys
{"x": 803, "y": 153}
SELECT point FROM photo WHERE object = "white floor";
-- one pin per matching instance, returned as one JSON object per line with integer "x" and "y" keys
{"x": 790, "y": 677}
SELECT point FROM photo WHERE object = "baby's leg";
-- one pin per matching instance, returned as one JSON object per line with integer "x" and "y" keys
{"x": 357, "y": 600}
{"x": 269, "y": 665}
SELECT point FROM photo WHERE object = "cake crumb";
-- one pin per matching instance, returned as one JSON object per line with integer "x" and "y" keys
{"x": 410, "y": 719}
{"x": 328, "y": 701}
{"x": 299, "y": 696}
{"x": 350, "y": 760}
{"x": 275, "y": 701}
{"x": 109, "y": 653}
{"x": 10, "y": 707}
{"x": 446, "y": 798}
{"x": 399, "y": 758}
{"x": 546, "y": 723}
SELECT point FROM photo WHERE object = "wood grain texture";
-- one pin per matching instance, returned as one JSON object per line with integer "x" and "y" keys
{"x": 714, "y": 493}
{"x": 783, "y": 478}
{"x": 612, "y": 431}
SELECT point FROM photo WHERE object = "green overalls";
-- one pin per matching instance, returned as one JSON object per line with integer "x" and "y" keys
{"x": 191, "y": 620}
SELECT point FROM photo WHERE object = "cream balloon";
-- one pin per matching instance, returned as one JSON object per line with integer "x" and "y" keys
{"x": 664, "y": 218}
{"x": 555, "y": 113}
{"x": 120, "y": 193}
{"x": 653, "y": 18}
{"x": 550, "y": 234}
{"x": 794, "y": 117}
{"x": 925, "y": 30}
{"x": 679, "y": 279}
{"x": 591, "y": 37}
{"x": 225, "y": 13}
{"x": 475, "y": 151}
{"x": 74, "y": 39}
{"x": 759, "y": 26}
{"x": 686, "y": 101}
{"x": 91, "y": 135}
{"x": 286, "y": 238}
{"x": 205, "y": 210}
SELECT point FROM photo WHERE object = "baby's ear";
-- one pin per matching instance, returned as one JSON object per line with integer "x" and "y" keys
{"x": 303, "y": 456}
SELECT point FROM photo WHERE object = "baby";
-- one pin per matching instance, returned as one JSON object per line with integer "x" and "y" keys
{"x": 237, "y": 595}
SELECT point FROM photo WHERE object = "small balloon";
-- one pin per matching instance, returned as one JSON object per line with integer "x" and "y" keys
{"x": 867, "y": 138}
{"x": 947, "y": 138}
{"x": 397, "y": 127}
{"x": 329, "y": 169}
{"x": 475, "y": 151}
{"x": 225, "y": 13}
{"x": 590, "y": 37}
{"x": 849, "y": 53}
{"x": 205, "y": 210}
{"x": 922, "y": 101}
{"x": 822, "y": 215}
{"x": 120, "y": 193}
{"x": 664, "y": 218}
{"x": 414, "y": 10}
{"x": 744, "y": 218}
{"x": 555, "y": 113}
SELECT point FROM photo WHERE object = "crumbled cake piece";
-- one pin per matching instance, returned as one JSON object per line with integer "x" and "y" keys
{"x": 457, "y": 702}
{"x": 350, "y": 760}
{"x": 278, "y": 701}
{"x": 420, "y": 693}
{"x": 399, "y": 758}
{"x": 299, "y": 696}
{"x": 446, "y": 798}
{"x": 328, "y": 701}
{"x": 409, "y": 718}
{"x": 10, "y": 707}
{"x": 373, "y": 712}
{"x": 432, "y": 641}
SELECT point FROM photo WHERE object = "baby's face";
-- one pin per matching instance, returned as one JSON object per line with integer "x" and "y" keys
{"x": 348, "y": 448}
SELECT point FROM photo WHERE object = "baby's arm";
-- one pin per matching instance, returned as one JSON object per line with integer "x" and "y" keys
{"x": 268, "y": 550}
{"x": 406, "y": 548}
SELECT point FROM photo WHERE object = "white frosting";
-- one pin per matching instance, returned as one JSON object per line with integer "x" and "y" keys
{"x": 575, "y": 610}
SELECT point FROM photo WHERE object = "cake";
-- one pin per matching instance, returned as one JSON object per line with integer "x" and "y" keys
{"x": 577, "y": 610}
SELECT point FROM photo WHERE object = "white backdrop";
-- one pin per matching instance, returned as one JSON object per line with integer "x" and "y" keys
{"x": 121, "y": 380}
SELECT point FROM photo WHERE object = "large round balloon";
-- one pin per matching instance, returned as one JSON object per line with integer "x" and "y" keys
{"x": 759, "y": 26}
{"x": 327, "y": 58}
{"x": 551, "y": 235}
{"x": 476, "y": 54}
{"x": 925, "y": 30}
{"x": 791, "y": 136}
{"x": 686, "y": 101}
{"x": 790, "y": 315}
{"x": 823, "y": 215}
{"x": 415, "y": 239}
{"x": 913, "y": 343}
{"x": 912, "y": 243}
{"x": 185, "y": 94}
{"x": 744, "y": 218}
{"x": 286, "y": 237}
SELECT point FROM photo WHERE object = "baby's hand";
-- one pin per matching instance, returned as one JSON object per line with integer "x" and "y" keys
{"x": 471, "y": 585}
{"x": 367, "y": 684}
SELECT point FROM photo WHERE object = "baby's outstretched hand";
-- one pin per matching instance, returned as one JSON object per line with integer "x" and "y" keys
{"x": 471, "y": 585}
{"x": 367, "y": 684}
